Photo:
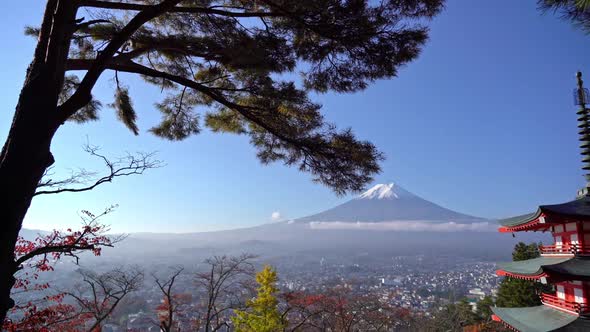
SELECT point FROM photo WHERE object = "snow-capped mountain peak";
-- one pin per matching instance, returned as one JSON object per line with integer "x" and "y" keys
{"x": 385, "y": 191}
{"x": 388, "y": 202}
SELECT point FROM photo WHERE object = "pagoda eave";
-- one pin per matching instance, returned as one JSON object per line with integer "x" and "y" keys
{"x": 495, "y": 318}
{"x": 539, "y": 319}
{"x": 533, "y": 269}
{"x": 533, "y": 222}
{"x": 577, "y": 267}
{"x": 534, "y": 226}
{"x": 503, "y": 273}
{"x": 530, "y": 221}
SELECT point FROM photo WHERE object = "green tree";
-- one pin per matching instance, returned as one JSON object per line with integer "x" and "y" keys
{"x": 465, "y": 313}
{"x": 484, "y": 310}
{"x": 516, "y": 292}
{"x": 457, "y": 316}
{"x": 523, "y": 251}
{"x": 230, "y": 57}
{"x": 262, "y": 314}
{"x": 453, "y": 317}
{"x": 576, "y": 11}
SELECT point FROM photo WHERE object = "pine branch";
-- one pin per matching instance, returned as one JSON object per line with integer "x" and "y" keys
{"x": 320, "y": 150}
{"x": 83, "y": 94}
{"x": 189, "y": 10}
{"x": 85, "y": 25}
{"x": 132, "y": 67}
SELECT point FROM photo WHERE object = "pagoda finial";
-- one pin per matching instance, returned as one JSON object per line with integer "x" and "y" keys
{"x": 581, "y": 98}
{"x": 580, "y": 93}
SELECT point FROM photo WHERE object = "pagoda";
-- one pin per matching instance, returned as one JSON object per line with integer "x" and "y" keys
{"x": 565, "y": 264}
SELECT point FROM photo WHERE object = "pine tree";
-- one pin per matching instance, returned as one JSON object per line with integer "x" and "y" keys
{"x": 577, "y": 11}
{"x": 515, "y": 293}
{"x": 229, "y": 60}
{"x": 523, "y": 251}
{"x": 262, "y": 314}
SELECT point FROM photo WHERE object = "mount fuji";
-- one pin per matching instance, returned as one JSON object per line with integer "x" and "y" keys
{"x": 384, "y": 220}
{"x": 388, "y": 203}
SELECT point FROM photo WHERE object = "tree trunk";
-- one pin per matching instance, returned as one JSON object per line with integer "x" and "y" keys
{"x": 24, "y": 158}
{"x": 26, "y": 152}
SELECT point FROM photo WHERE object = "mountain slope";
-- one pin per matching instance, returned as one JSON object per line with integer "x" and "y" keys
{"x": 389, "y": 202}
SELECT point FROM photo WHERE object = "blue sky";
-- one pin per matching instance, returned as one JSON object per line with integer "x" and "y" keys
{"x": 482, "y": 123}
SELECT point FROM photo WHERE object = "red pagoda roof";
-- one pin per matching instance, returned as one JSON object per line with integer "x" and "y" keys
{"x": 548, "y": 215}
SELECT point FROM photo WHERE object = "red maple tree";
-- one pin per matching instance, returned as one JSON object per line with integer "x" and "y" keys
{"x": 49, "y": 313}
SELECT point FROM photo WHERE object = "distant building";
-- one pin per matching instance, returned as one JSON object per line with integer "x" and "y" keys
{"x": 477, "y": 293}
{"x": 391, "y": 282}
{"x": 142, "y": 322}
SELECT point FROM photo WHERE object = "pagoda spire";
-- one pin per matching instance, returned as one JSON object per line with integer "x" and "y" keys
{"x": 581, "y": 98}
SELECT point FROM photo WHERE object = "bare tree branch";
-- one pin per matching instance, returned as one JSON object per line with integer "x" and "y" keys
{"x": 80, "y": 176}
{"x": 223, "y": 283}
{"x": 167, "y": 320}
{"x": 101, "y": 293}
{"x": 122, "y": 166}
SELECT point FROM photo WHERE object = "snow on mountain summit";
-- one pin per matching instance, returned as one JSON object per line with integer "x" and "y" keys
{"x": 388, "y": 203}
{"x": 385, "y": 191}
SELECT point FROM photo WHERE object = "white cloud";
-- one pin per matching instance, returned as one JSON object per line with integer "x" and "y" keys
{"x": 275, "y": 216}
{"x": 416, "y": 226}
